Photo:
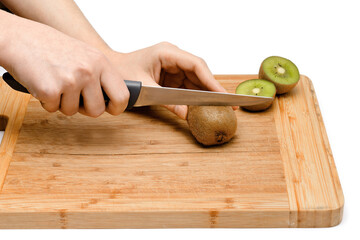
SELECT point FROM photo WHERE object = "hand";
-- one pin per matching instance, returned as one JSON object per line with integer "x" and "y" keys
{"x": 56, "y": 69}
{"x": 166, "y": 65}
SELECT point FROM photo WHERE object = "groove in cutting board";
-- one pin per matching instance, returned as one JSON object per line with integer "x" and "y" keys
{"x": 12, "y": 111}
{"x": 143, "y": 169}
{"x": 3, "y": 123}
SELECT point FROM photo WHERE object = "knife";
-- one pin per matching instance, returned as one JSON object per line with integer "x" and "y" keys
{"x": 151, "y": 95}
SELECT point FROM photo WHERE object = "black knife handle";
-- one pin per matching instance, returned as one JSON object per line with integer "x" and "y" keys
{"x": 133, "y": 86}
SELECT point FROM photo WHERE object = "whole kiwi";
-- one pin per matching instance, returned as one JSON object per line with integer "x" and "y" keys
{"x": 212, "y": 125}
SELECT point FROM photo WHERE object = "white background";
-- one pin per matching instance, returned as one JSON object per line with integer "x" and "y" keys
{"x": 320, "y": 37}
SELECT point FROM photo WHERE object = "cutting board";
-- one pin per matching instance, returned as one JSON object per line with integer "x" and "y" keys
{"x": 143, "y": 169}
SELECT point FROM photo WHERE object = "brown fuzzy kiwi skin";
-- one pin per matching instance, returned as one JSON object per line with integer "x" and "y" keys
{"x": 259, "y": 107}
{"x": 280, "y": 88}
{"x": 212, "y": 125}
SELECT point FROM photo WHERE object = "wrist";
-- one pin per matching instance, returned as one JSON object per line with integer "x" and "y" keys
{"x": 108, "y": 52}
{"x": 114, "y": 56}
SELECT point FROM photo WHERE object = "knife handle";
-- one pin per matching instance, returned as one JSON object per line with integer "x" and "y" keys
{"x": 134, "y": 88}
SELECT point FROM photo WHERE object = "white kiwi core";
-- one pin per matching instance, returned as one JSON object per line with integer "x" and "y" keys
{"x": 280, "y": 70}
{"x": 256, "y": 90}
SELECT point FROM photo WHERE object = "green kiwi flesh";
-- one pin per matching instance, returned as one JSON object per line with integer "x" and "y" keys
{"x": 281, "y": 71}
{"x": 212, "y": 125}
{"x": 257, "y": 87}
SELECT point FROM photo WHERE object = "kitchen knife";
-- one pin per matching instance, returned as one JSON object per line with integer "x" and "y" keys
{"x": 152, "y": 95}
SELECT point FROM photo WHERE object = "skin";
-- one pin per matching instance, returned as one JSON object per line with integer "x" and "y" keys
{"x": 56, "y": 68}
{"x": 63, "y": 56}
{"x": 166, "y": 65}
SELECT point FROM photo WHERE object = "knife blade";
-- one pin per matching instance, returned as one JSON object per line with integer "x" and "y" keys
{"x": 152, "y": 95}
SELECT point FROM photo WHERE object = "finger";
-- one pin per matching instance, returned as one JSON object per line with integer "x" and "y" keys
{"x": 94, "y": 104}
{"x": 49, "y": 97}
{"x": 192, "y": 64}
{"x": 70, "y": 103}
{"x": 195, "y": 80}
{"x": 198, "y": 72}
{"x": 179, "y": 110}
{"x": 173, "y": 80}
{"x": 115, "y": 87}
{"x": 51, "y": 105}
{"x": 190, "y": 85}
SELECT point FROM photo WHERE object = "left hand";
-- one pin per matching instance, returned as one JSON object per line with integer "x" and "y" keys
{"x": 166, "y": 65}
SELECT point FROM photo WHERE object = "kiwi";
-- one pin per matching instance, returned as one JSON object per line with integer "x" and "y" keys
{"x": 212, "y": 125}
{"x": 281, "y": 71}
{"x": 257, "y": 87}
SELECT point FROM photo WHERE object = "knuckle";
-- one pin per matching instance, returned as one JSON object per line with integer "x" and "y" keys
{"x": 48, "y": 94}
{"x": 119, "y": 103}
{"x": 85, "y": 71}
{"x": 124, "y": 100}
{"x": 167, "y": 45}
{"x": 165, "y": 50}
{"x": 126, "y": 96}
{"x": 69, "y": 82}
{"x": 201, "y": 62}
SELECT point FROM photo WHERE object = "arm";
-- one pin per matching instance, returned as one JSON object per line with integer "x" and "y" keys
{"x": 56, "y": 68}
{"x": 63, "y": 15}
{"x": 163, "y": 64}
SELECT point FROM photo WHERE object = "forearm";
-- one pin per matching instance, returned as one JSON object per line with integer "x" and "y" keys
{"x": 63, "y": 15}
{"x": 6, "y": 38}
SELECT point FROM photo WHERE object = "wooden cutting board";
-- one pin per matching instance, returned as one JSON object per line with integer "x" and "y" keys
{"x": 143, "y": 169}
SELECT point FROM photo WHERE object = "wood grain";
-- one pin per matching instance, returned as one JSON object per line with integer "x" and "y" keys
{"x": 143, "y": 169}
{"x": 12, "y": 111}
{"x": 315, "y": 195}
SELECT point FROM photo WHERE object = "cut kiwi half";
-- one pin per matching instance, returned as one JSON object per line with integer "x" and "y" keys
{"x": 257, "y": 87}
{"x": 281, "y": 71}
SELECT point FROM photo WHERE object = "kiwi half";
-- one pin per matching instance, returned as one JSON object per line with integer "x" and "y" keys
{"x": 257, "y": 87}
{"x": 281, "y": 71}
{"x": 212, "y": 125}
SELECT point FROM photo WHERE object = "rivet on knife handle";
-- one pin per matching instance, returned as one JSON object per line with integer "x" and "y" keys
{"x": 133, "y": 86}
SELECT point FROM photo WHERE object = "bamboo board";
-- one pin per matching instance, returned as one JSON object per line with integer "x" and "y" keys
{"x": 143, "y": 169}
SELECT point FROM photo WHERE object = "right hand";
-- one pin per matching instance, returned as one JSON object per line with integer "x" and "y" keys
{"x": 167, "y": 65}
{"x": 56, "y": 69}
